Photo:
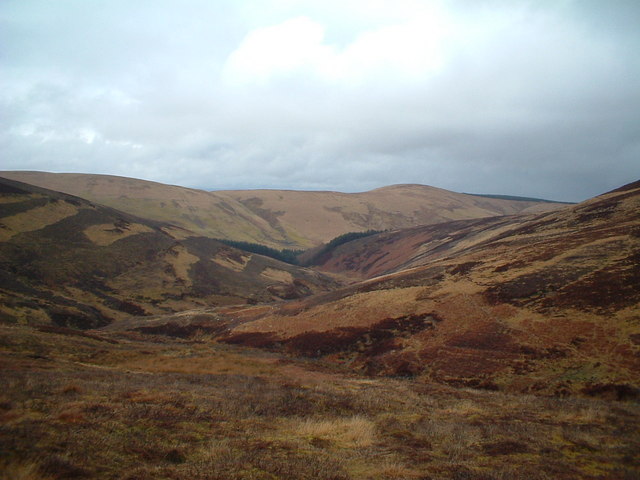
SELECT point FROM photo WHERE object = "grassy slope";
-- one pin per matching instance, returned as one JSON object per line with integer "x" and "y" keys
{"x": 203, "y": 213}
{"x": 67, "y": 261}
{"x": 110, "y": 404}
{"x": 147, "y": 407}
{"x": 321, "y": 216}
{"x": 278, "y": 218}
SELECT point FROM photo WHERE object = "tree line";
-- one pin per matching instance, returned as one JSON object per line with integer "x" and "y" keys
{"x": 286, "y": 255}
{"x": 292, "y": 256}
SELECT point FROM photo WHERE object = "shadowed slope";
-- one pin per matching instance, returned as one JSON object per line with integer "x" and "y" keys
{"x": 74, "y": 263}
{"x": 391, "y": 252}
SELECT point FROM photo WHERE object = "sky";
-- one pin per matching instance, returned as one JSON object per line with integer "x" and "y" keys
{"x": 534, "y": 98}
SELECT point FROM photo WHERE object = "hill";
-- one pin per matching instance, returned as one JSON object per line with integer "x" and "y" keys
{"x": 544, "y": 304}
{"x": 322, "y": 216}
{"x": 365, "y": 382}
{"x": 280, "y": 219}
{"x": 208, "y": 214}
{"x": 75, "y": 263}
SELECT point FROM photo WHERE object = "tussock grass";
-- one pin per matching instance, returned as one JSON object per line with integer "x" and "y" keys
{"x": 348, "y": 432}
{"x": 75, "y": 407}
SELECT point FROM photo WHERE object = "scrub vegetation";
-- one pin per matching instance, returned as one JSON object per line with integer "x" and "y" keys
{"x": 483, "y": 349}
{"x": 151, "y": 407}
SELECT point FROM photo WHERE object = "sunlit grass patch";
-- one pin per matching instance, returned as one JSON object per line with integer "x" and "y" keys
{"x": 240, "y": 459}
{"x": 349, "y": 432}
{"x": 464, "y": 407}
{"x": 588, "y": 415}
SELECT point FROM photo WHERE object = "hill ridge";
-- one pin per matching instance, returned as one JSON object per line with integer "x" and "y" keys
{"x": 290, "y": 219}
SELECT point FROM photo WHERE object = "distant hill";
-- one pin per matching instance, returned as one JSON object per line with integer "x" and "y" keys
{"x": 281, "y": 219}
{"x": 68, "y": 261}
{"x": 322, "y": 216}
{"x": 547, "y": 303}
{"x": 207, "y": 214}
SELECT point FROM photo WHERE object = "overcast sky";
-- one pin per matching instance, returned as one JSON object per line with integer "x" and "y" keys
{"x": 536, "y": 98}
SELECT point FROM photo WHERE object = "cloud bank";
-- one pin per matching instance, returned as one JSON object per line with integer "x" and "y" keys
{"x": 524, "y": 98}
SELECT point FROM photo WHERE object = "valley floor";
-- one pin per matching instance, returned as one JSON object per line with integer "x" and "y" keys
{"x": 128, "y": 406}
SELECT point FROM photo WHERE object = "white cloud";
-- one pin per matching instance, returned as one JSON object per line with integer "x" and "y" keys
{"x": 340, "y": 94}
{"x": 409, "y": 50}
{"x": 290, "y": 46}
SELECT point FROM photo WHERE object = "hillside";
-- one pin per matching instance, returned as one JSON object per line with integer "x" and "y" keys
{"x": 390, "y": 252}
{"x": 207, "y": 214}
{"x": 321, "y": 216}
{"x": 364, "y": 382}
{"x": 124, "y": 406}
{"x": 279, "y": 218}
{"x": 546, "y": 304}
{"x": 74, "y": 263}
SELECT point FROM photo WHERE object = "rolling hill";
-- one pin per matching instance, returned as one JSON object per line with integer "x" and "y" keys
{"x": 542, "y": 304}
{"x": 368, "y": 381}
{"x": 279, "y": 218}
{"x": 321, "y": 216}
{"x": 75, "y": 263}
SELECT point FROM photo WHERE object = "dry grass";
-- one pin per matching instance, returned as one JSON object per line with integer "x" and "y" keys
{"x": 74, "y": 407}
{"x": 106, "y": 234}
{"x": 22, "y": 471}
{"x": 395, "y": 470}
{"x": 277, "y": 275}
{"x": 197, "y": 361}
{"x": 35, "y": 219}
{"x": 350, "y": 432}
{"x": 236, "y": 264}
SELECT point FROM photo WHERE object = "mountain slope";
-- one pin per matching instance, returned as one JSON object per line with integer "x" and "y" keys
{"x": 68, "y": 261}
{"x": 279, "y": 218}
{"x": 550, "y": 303}
{"x": 208, "y": 214}
{"x": 321, "y": 216}
{"x": 390, "y": 252}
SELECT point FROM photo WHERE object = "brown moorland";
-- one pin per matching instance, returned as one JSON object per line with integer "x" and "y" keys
{"x": 133, "y": 406}
{"x": 66, "y": 261}
{"x": 486, "y": 350}
{"x": 544, "y": 304}
{"x": 322, "y": 216}
{"x": 279, "y": 218}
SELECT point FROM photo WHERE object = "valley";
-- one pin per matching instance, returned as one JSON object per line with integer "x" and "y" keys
{"x": 471, "y": 338}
